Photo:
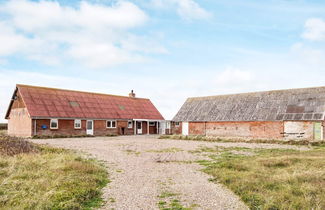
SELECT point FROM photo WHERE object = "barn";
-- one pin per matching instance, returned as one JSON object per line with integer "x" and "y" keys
{"x": 281, "y": 114}
{"x": 49, "y": 111}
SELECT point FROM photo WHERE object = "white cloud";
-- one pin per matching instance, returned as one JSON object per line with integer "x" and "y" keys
{"x": 314, "y": 57}
{"x": 232, "y": 76}
{"x": 314, "y": 29}
{"x": 186, "y": 9}
{"x": 93, "y": 34}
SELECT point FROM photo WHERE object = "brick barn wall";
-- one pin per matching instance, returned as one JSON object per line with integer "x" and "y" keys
{"x": 176, "y": 129}
{"x": 66, "y": 127}
{"x": 252, "y": 130}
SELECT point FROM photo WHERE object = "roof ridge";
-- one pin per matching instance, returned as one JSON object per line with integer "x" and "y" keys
{"x": 79, "y": 91}
{"x": 255, "y": 92}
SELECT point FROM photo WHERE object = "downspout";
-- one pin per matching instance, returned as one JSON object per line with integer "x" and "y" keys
{"x": 205, "y": 128}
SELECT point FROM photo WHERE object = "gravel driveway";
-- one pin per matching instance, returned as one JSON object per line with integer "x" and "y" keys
{"x": 145, "y": 170}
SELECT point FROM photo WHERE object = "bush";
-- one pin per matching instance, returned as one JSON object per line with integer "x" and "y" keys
{"x": 13, "y": 146}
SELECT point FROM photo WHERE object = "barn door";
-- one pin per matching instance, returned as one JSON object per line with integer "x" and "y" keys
{"x": 185, "y": 128}
{"x": 318, "y": 131}
{"x": 90, "y": 127}
{"x": 139, "y": 127}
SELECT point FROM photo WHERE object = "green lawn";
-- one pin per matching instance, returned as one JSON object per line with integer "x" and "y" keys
{"x": 270, "y": 178}
{"x": 48, "y": 178}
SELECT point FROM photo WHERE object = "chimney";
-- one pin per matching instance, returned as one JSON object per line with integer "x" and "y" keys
{"x": 132, "y": 94}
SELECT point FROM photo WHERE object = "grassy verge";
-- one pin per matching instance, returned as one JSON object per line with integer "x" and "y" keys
{"x": 48, "y": 178}
{"x": 216, "y": 139}
{"x": 271, "y": 179}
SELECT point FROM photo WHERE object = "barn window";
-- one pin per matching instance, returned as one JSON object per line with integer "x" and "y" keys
{"x": 77, "y": 124}
{"x": 54, "y": 124}
{"x": 74, "y": 103}
{"x": 130, "y": 124}
{"x": 152, "y": 123}
{"x": 111, "y": 124}
{"x": 177, "y": 124}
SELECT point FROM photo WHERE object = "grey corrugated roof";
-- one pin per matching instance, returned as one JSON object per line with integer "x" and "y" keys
{"x": 277, "y": 105}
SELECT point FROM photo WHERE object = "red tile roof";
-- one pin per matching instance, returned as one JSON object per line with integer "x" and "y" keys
{"x": 59, "y": 103}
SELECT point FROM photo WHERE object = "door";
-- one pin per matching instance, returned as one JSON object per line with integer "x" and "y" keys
{"x": 90, "y": 127}
{"x": 185, "y": 128}
{"x": 139, "y": 127}
{"x": 318, "y": 131}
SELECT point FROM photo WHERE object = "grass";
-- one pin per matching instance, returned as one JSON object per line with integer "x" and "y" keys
{"x": 50, "y": 179}
{"x": 217, "y": 139}
{"x": 272, "y": 178}
{"x": 169, "y": 202}
{"x": 167, "y": 150}
{"x": 132, "y": 152}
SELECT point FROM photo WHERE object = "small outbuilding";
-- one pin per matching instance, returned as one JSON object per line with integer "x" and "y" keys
{"x": 49, "y": 111}
{"x": 280, "y": 114}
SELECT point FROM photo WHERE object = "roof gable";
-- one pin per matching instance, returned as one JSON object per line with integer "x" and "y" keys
{"x": 293, "y": 104}
{"x": 44, "y": 102}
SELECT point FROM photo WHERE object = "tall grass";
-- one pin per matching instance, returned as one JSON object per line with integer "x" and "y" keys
{"x": 50, "y": 179}
{"x": 273, "y": 179}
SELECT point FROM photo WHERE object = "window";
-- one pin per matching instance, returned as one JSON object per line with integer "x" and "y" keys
{"x": 111, "y": 124}
{"x": 74, "y": 103}
{"x": 152, "y": 123}
{"x": 130, "y": 124}
{"x": 54, "y": 124}
{"x": 177, "y": 124}
{"x": 77, "y": 124}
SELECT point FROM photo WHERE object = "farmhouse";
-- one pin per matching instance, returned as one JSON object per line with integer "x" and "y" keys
{"x": 49, "y": 111}
{"x": 281, "y": 114}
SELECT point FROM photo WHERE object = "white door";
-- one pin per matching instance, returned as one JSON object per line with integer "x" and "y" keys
{"x": 185, "y": 128}
{"x": 162, "y": 129}
{"x": 139, "y": 127}
{"x": 90, "y": 127}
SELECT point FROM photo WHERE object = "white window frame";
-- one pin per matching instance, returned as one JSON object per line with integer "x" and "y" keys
{"x": 111, "y": 123}
{"x": 152, "y": 124}
{"x": 130, "y": 124}
{"x": 57, "y": 124}
{"x": 77, "y": 121}
{"x": 177, "y": 124}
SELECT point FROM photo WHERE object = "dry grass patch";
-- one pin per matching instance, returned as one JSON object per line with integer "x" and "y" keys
{"x": 273, "y": 179}
{"x": 50, "y": 179}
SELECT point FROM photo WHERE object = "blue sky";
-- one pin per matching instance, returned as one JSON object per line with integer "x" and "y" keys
{"x": 166, "y": 50}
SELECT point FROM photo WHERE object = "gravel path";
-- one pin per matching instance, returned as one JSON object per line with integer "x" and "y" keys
{"x": 145, "y": 171}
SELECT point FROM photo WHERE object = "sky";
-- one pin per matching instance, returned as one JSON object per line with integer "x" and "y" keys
{"x": 165, "y": 50}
